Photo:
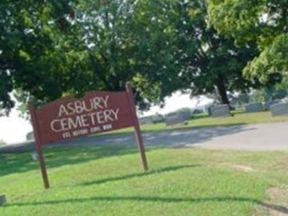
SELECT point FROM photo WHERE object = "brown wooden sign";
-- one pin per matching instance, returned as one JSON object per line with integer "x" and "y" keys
{"x": 96, "y": 112}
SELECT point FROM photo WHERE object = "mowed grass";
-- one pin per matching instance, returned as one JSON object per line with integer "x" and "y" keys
{"x": 203, "y": 120}
{"x": 206, "y": 121}
{"x": 108, "y": 180}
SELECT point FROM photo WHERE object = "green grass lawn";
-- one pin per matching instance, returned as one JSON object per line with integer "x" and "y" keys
{"x": 108, "y": 180}
{"x": 203, "y": 120}
{"x": 206, "y": 121}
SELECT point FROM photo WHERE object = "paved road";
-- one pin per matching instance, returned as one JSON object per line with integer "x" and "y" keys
{"x": 258, "y": 137}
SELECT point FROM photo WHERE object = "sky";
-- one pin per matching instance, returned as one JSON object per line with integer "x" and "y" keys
{"x": 14, "y": 129}
{"x": 177, "y": 101}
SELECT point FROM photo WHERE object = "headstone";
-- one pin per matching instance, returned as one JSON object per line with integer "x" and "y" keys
{"x": 269, "y": 104}
{"x": 254, "y": 107}
{"x": 219, "y": 110}
{"x": 2, "y": 199}
{"x": 197, "y": 111}
{"x": 279, "y": 109}
{"x": 146, "y": 120}
{"x": 175, "y": 118}
{"x": 185, "y": 113}
{"x": 30, "y": 136}
{"x": 151, "y": 119}
{"x": 157, "y": 118}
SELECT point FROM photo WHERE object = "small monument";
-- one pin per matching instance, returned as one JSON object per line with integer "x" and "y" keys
{"x": 254, "y": 107}
{"x": 279, "y": 109}
{"x": 219, "y": 110}
{"x": 146, "y": 120}
{"x": 175, "y": 118}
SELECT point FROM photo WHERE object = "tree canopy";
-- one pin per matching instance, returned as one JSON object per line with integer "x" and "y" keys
{"x": 53, "y": 48}
{"x": 30, "y": 59}
{"x": 265, "y": 22}
{"x": 187, "y": 52}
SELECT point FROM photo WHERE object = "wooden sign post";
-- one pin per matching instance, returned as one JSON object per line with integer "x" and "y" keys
{"x": 38, "y": 145}
{"x": 137, "y": 127}
{"x": 96, "y": 112}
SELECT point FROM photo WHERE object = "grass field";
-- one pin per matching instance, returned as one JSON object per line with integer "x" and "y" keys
{"x": 108, "y": 180}
{"x": 237, "y": 118}
{"x": 203, "y": 120}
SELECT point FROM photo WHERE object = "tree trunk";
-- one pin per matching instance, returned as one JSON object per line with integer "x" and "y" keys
{"x": 222, "y": 90}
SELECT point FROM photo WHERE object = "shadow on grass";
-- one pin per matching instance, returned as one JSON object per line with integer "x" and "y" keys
{"x": 64, "y": 155}
{"x": 180, "y": 127}
{"x": 153, "y": 199}
{"x": 91, "y": 148}
{"x": 151, "y": 172}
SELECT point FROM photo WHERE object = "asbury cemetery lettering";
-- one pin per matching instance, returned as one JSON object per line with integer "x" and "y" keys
{"x": 96, "y": 112}
{"x": 84, "y": 114}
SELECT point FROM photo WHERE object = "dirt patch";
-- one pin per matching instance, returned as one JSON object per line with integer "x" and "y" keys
{"x": 275, "y": 206}
{"x": 261, "y": 211}
{"x": 282, "y": 165}
{"x": 240, "y": 167}
{"x": 273, "y": 212}
{"x": 276, "y": 194}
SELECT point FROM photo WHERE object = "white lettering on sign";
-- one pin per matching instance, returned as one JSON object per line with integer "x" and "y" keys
{"x": 78, "y": 107}
{"x": 107, "y": 127}
{"x": 82, "y": 114}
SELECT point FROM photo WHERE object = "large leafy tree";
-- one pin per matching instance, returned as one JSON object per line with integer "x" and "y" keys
{"x": 31, "y": 57}
{"x": 265, "y": 22}
{"x": 52, "y": 48}
{"x": 184, "y": 52}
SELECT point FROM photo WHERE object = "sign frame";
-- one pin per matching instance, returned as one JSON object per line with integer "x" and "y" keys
{"x": 39, "y": 140}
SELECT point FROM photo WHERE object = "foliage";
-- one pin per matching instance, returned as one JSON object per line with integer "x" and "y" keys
{"x": 268, "y": 94}
{"x": 55, "y": 48}
{"x": 184, "y": 52}
{"x": 262, "y": 21}
{"x": 30, "y": 52}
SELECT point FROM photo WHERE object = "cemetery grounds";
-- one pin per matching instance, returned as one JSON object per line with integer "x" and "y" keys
{"x": 108, "y": 180}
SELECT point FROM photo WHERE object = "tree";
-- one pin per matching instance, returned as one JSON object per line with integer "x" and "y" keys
{"x": 268, "y": 94}
{"x": 262, "y": 21}
{"x": 29, "y": 56}
{"x": 182, "y": 50}
{"x": 53, "y": 48}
